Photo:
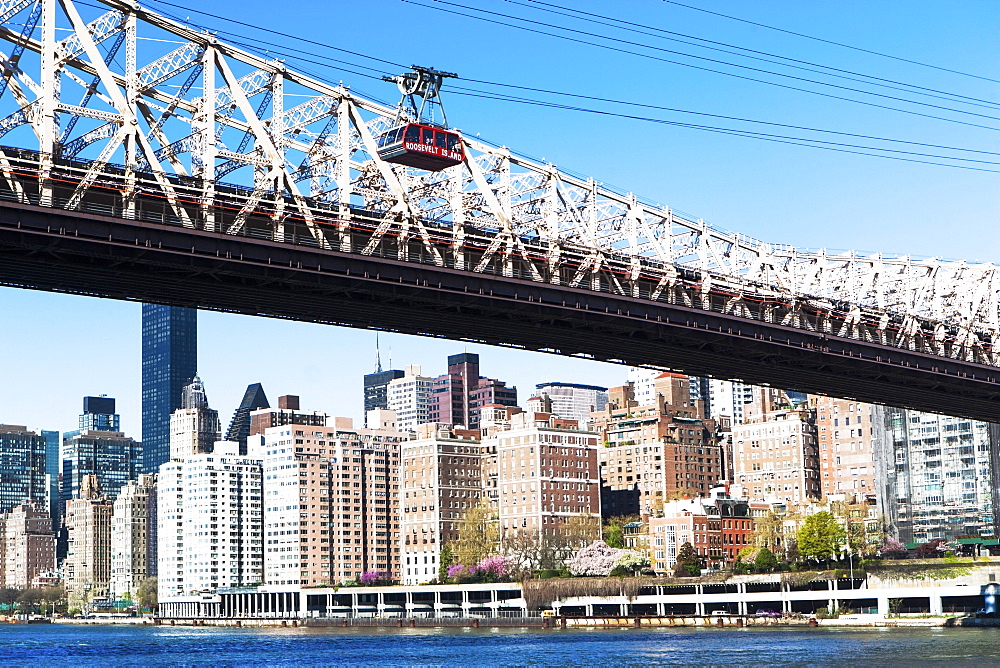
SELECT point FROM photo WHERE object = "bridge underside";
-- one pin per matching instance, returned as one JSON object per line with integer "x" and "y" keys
{"x": 71, "y": 252}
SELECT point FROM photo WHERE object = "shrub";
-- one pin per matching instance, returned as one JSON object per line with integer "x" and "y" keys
{"x": 630, "y": 562}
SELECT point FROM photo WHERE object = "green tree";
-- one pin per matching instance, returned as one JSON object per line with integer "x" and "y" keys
{"x": 745, "y": 560}
{"x": 445, "y": 562}
{"x": 688, "y": 562}
{"x": 8, "y": 597}
{"x": 765, "y": 561}
{"x": 478, "y": 534}
{"x": 29, "y": 599}
{"x": 820, "y": 536}
{"x": 146, "y": 594}
{"x": 614, "y": 529}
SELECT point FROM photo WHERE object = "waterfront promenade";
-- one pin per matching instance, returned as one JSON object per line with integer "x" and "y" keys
{"x": 955, "y": 591}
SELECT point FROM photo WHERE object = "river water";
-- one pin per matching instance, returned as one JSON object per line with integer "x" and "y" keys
{"x": 112, "y": 646}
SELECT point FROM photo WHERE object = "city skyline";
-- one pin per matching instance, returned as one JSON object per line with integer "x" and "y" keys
{"x": 756, "y": 188}
{"x": 336, "y": 390}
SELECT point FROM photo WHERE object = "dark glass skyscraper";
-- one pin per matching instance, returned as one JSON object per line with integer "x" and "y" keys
{"x": 99, "y": 414}
{"x": 22, "y": 467}
{"x": 376, "y": 388}
{"x": 239, "y": 429}
{"x": 169, "y": 362}
{"x": 53, "y": 466}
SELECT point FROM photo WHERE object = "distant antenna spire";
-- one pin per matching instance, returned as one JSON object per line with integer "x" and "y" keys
{"x": 378, "y": 357}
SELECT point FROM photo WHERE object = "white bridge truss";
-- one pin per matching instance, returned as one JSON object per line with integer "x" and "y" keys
{"x": 176, "y": 102}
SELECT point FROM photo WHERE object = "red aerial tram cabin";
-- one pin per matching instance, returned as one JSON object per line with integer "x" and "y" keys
{"x": 421, "y": 146}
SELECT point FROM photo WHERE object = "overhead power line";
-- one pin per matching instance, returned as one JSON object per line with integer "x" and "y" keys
{"x": 828, "y": 41}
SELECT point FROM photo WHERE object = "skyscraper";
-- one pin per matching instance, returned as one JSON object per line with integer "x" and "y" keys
{"x": 110, "y": 456}
{"x": 573, "y": 401}
{"x": 99, "y": 414}
{"x": 239, "y": 428}
{"x": 53, "y": 465}
{"x": 409, "y": 398}
{"x": 937, "y": 476}
{"x": 459, "y": 395}
{"x": 661, "y": 450}
{"x": 87, "y": 567}
{"x": 846, "y": 434}
{"x": 188, "y": 560}
{"x": 169, "y": 362}
{"x": 22, "y": 467}
{"x": 333, "y": 512}
{"x": 377, "y": 384}
{"x": 133, "y": 535}
{"x": 377, "y": 388}
{"x": 775, "y": 453}
{"x": 194, "y": 427}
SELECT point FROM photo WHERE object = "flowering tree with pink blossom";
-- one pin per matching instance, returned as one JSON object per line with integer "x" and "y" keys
{"x": 892, "y": 548}
{"x": 489, "y": 569}
{"x": 493, "y": 568}
{"x": 374, "y": 578}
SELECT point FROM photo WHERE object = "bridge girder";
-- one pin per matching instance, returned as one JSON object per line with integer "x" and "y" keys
{"x": 48, "y": 249}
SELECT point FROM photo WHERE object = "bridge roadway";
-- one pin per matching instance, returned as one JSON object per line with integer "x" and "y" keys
{"x": 52, "y": 249}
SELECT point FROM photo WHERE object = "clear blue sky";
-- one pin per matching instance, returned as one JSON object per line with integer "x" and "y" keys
{"x": 58, "y": 348}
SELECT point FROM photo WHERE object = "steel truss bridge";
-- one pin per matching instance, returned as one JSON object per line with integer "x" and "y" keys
{"x": 183, "y": 170}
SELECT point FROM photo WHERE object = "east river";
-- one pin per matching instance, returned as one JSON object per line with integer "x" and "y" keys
{"x": 112, "y": 646}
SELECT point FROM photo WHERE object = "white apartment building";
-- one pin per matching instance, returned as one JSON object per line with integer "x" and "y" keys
{"x": 728, "y": 398}
{"x": 776, "y": 457}
{"x": 937, "y": 475}
{"x": 572, "y": 401}
{"x": 133, "y": 535}
{"x": 643, "y": 384}
{"x": 409, "y": 398}
{"x": 209, "y": 524}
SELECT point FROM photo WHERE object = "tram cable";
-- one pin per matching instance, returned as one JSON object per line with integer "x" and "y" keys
{"x": 380, "y": 73}
{"x": 725, "y": 117}
{"x": 703, "y": 68}
{"x": 781, "y": 139}
{"x": 828, "y": 41}
{"x": 472, "y": 92}
{"x": 661, "y": 33}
